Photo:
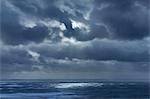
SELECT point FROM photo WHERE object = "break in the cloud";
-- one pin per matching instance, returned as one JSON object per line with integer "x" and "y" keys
{"x": 99, "y": 39}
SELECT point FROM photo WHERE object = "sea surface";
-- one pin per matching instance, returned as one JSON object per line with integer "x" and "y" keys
{"x": 72, "y": 89}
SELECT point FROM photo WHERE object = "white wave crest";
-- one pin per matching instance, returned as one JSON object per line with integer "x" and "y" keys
{"x": 75, "y": 85}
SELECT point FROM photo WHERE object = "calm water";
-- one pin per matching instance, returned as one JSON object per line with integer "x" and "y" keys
{"x": 72, "y": 89}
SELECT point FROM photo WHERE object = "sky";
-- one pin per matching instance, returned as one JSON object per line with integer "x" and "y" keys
{"x": 75, "y": 39}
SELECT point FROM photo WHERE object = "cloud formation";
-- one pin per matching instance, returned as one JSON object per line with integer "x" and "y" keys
{"x": 95, "y": 37}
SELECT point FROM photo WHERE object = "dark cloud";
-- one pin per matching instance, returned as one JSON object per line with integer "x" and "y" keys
{"x": 12, "y": 29}
{"x": 12, "y": 55}
{"x": 95, "y": 50}
{"x": 99, "y": 50}
{"x": 50, "y": 37}
{"x": 13, "y": 32}
{"x": 24, "y": 62}
{"x": 37, "y": 34}
{"x": 82, "y": 35}
{"x": 123, "y": 18}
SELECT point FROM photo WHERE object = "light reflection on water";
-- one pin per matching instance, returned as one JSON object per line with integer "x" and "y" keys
{"x": 73, "y": 90}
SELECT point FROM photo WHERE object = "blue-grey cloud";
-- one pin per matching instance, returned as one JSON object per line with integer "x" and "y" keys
{"x": 105, "y": 19}
{"x": 123, "y": 17}
{"x": 103, "y": 37}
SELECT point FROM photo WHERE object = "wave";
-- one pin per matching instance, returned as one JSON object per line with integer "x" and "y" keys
{"x": 76, "y": 85}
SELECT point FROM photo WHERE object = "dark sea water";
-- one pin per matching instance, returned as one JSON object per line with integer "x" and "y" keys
{"x": 72, "y": 89}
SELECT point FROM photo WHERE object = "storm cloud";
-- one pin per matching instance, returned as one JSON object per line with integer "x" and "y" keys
{"x": 83, "y": 38}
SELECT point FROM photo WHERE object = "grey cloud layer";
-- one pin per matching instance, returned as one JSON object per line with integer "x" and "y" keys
{"x": 127, "y": 19}
{"x": 75, "y": 36}
{"x": 107, "y": 19}
{"x": 79, "y": 58}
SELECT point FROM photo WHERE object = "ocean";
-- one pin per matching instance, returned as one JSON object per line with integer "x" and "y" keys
{"x": 72, "y": 89}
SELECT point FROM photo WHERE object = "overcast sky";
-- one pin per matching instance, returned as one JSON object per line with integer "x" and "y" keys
{"x": 75, "y": 39}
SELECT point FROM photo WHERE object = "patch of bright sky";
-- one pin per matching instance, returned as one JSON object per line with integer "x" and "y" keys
{"x": 80, "y": 25}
